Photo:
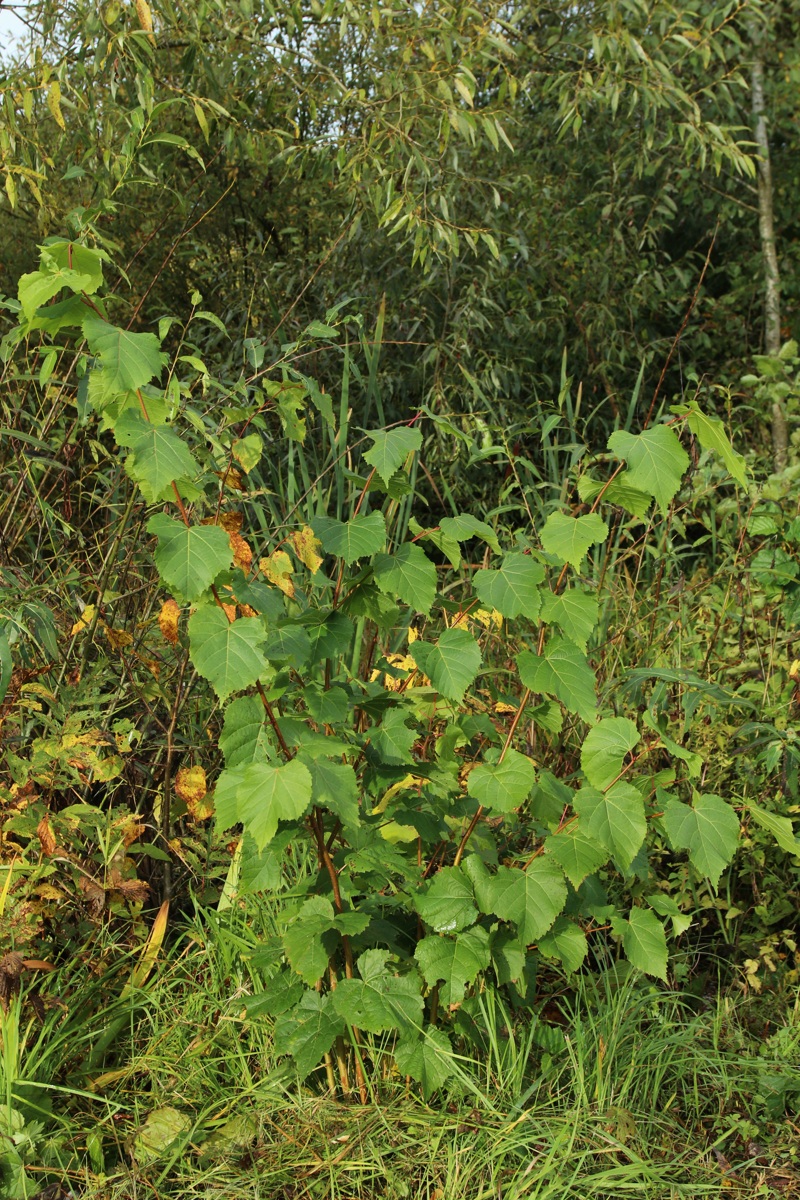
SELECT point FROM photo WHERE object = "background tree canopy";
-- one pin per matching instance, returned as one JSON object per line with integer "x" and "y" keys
{"x": 510, "y": 187}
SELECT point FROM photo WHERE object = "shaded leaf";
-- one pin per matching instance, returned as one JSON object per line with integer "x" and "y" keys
{"x": 308, "y": 1031}
{"x": 453, "y": 961}
{"x": 447, "y": 903}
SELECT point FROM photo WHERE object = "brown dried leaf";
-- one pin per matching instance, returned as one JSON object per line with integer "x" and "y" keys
{"x": 93, "y": 894}
{"x": 168, "y": 620}
{"x": 45, "y": 834}
{"x": 135, "y": 891}
{"x": 10, "y": 970}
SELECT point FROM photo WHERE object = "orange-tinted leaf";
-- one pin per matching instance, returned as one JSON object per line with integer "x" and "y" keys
{"x": 242, "y": 553}
{"x": 46, "y": 836}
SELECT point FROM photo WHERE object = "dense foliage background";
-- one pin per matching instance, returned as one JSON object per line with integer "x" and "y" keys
{"x": 519, "y": 237}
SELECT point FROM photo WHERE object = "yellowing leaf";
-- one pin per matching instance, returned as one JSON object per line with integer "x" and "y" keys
{"x": 86, "y": 618}
{"x": 54, "y": 104}
{"x": 145, "y": 18}
{"x": 794, "y": 669}
{"x": 119, "y": 638}
{"x": 190, "y": 785}
{"x": 307, "y": 547}
{"x": 278, "y": 570}
{"x": 168, "y": 620}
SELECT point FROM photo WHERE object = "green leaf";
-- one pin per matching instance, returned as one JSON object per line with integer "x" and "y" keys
{"x": 261, "y": 795}
{"x": 35, "y": 289}
{"x": 561, "y": 671}
{"x": 508, "y": 956}
{"x": 334, "y": 786}
{"x": 644, "y": 942}
{"x": 67, "y": 255}
{"x": 391, "y": 448}
{"x": 453, "y": 961}
{"x": 614, "y": 818}
{"x": 379, "y": 1000}
{"x": 709, "y": 830}
{"x": 513, "y": 589}
{"x": 244, "y": 733}
{"x": 464, "y": 526}
{"x": 781, "y": 828}
{"x": 566, "y": 942}
{"x": 6, "y": 664}
{"x": 130, "y": 359}
{"x": 710, "y": 432}
{"x": 569, "y": 538}
{"x": 157, "y": 455}
{"x": 360, "y": 537}
{"x": 604, "y": 749}
{"x": 502, "y": 787}
{"x": 576, "y": 853}
{"x": 308, "y": 1031}
{"x": 393, "y": 739}
{"x": 451, "y": 664}
{"x": 428, "y": 1060}
{"x": 227, "y": 653}
{"x": 574, "y": 611}
{"x": 694, "y": 763}
{"x": 530, "y": 899}
{"x": 189, "y": 559}
{"x": 310, "y": 940}
{"x": 617, "y": 491}
{"x": 408, "y": 574}
{"x": 656, "y": 461}
{"x": 447, "y": 903}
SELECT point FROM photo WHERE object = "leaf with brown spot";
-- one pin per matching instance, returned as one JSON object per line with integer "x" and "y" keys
{"x": 190, "y": 785}
{"x": 168, "y": 620}
{"x": 278, "y": 570}
{"x": 307, "y": 548}
{"x": 231, "y": 522}
{"x": 242, "y": 553}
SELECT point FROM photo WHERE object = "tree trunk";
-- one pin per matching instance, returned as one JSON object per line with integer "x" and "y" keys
{"x": 766, "y": 229}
